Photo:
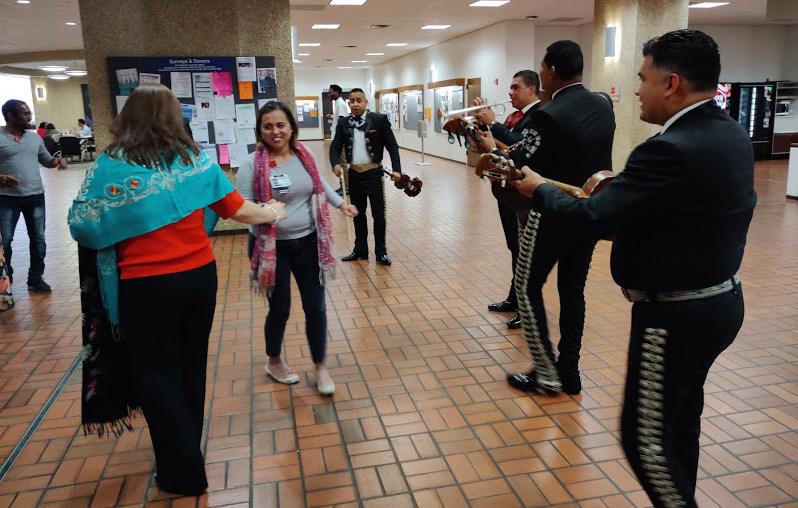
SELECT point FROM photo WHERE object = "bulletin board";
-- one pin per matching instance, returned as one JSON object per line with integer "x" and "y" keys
{"x": 448, "y": 96}
{"x": 388, "y": 101}
{"x": 412, "y": 104}
{"x": 306, "y": 112}
{"x": 219, "y": 95}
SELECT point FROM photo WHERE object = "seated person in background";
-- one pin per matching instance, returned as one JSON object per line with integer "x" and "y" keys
{"x": 41, "y": 129}
{"x": 51, "y": 138}
{"x": 83, "y": 129}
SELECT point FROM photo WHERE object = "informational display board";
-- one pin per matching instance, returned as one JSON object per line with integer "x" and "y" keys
{"x": 307, "y": 112}
{"x": 412, "y": 108}
{"x": 389, "y": 105}
{"x": 447, "y": 98}
{"x": 220, "y": 96}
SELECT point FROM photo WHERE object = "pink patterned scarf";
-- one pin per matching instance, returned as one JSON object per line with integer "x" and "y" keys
{"x": 264, "y": 255}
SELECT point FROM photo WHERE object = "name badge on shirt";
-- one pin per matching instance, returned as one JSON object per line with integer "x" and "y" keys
{"x": 280, "y": 183}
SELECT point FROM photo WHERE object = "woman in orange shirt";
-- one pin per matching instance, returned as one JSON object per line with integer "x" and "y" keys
{"x": 141, "y": 219}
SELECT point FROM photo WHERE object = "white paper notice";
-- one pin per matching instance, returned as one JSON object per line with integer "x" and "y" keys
{"x": 206, "y": 111}
{"x": 225, "y": 131}
{"x": 145, "y": 78}
{"x": 262, "y": 102}
{"x": 245, "y": 114}
{"x": 120, "y": 103}
{"x": 246, "y": 68}
{"x": 181, "y": 84}
{"x": 246, "y": 136}
{"x": 199, "y": 131}
{"x": 225, "y": 107}
{"x": 238, "y": 153}
{"x": 202, "y": 85}
{"x": 210, "y": 151}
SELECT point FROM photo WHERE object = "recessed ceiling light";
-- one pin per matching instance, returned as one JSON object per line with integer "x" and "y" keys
{"x": 707, "y": 5}
{"x": 71, "y": 23}
{"x": 359, "y": 61}
{"x": 303, "y": 54}
{"x": 347, "y": 2}
{"x": 23, "y": 1}
{"x": 489, "y": 3}
{"x": 374, "y": 54}
{"x": 75, "y": 73}
{"x": 435, "y": 27}
{"x": 345, "y": 67}
{"x": 297, "y": 61}
{"x": 310, "y": 44}
{"x": 53, "y": 68}
{"x": 325, "y": 27}
{"x": 58, "y": 76}
{"x": 396, "y": 44}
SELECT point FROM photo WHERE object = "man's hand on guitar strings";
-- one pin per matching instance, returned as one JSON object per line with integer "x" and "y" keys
{"x": 529, "y": 183}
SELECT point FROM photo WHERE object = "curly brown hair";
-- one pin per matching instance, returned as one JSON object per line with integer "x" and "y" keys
{"x": 149, "y": 129}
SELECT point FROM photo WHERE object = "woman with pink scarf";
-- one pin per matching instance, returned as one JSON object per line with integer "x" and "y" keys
{"x": 284, "y": 170}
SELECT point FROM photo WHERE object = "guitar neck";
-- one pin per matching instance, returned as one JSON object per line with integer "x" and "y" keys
{"x": 569, "y": 189}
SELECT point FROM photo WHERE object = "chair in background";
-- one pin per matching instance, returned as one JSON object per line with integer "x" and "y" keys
{"x": 70, "y": 147}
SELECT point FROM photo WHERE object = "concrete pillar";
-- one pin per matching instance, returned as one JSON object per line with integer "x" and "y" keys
{"x": 637, "y": 21}
{"x": 181, "y": 28}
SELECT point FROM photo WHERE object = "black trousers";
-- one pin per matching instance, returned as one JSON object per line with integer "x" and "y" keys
{"x": 540, "y": 248}
{"x": 364, "y": 187}
{"x": 510, "y": 226}
{"x": 672, "y": 347}
{"x": 166, "y": 321}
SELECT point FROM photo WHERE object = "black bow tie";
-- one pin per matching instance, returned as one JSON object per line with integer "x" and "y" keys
{"x": 357, "y": 122}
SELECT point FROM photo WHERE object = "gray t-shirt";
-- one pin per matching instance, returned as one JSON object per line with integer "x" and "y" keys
{"x": 299, "y": 221}
{"x": 21, "y": 159}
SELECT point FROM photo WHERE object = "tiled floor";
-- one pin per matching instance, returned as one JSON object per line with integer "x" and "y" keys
{"x": 422, "y": 415}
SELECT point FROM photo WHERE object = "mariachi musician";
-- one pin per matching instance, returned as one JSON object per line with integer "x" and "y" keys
{"x": 365, "y": 135}
{"x": 524, "y": 97}
{"x": 567, "y": 140}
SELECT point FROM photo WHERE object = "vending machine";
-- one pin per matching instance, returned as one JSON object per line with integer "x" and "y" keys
{"x": 753, "y": 106}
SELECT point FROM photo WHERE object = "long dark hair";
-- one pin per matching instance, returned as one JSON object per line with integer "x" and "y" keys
{"x": 270, "y": 107}
{"x": 149, "y": 129}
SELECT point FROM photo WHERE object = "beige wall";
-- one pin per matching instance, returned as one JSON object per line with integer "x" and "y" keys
{"x": 637, "y": 22}
{"x": 63, "y": 102}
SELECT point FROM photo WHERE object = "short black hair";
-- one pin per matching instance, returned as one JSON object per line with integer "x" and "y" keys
{"x": 357, "y": 90}
{"x": 11, "y": 106}
{"x": 530, "y": 78}
{"x": 336, "y": 88}
{"x": 81, "y": 121}
{"x": 43, "y": 125}
{"x": 566, "y": 58}
{"x": 50, "y": 126}
{"x": 691, "y": 54}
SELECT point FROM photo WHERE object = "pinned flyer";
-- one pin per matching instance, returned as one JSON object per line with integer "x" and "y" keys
{"x": 222, "y": 83}
{"x": 224, "y": 154}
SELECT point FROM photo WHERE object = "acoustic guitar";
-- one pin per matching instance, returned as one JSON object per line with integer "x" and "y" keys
{"x": 497, "y": 167}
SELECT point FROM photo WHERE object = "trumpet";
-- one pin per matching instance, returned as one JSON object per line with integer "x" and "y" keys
{"x": 499, "y": 109}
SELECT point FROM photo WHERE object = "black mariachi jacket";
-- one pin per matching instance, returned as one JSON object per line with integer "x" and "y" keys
{"x": 379, "y": 137}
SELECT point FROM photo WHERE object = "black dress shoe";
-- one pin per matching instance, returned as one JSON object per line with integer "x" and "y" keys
{"x": 514, "y": 322}
{"x": 571, "y": 382}
{"x": 384, "y": 260}
{"x": 354, "y": 257}
{"x": 529, "y": 383}
{"x": 503, "y": 306}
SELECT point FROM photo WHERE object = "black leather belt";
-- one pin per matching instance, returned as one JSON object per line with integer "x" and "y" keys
{"x": 639, "y": 295}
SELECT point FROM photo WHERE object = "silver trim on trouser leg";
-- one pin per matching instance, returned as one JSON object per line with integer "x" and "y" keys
{"x": 649, "y": 420}
{"x": 547, "y": 375}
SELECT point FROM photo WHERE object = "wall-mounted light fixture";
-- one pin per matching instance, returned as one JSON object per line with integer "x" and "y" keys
{"x": 41, "y": 93}
{"x": 610, "y": 42}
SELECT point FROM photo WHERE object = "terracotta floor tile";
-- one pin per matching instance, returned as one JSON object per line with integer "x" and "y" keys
{"x": 422, "y": 415}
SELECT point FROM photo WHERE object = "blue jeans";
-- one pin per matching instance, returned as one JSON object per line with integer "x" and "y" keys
{"x": 300, "y": 257}
{"x": 32, "y": 208}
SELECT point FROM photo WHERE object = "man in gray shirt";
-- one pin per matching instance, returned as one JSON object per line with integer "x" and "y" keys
{"x": 21, "y": 190}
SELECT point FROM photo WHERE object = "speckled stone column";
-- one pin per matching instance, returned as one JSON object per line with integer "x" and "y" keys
{"x": 637, "y": 22}
{"x": 181, "y": 28}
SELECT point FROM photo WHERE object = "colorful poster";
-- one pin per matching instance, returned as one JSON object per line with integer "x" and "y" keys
{"x": 245, "y": 90}
{"x": 145, "y": 78}
{"x": 224, "y": 154}
{"x": 222, "y": 83}
{"x": 267, "y": 78}
{"x": 128, "y": 80}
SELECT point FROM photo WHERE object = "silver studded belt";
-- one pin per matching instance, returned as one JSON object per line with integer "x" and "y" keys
{"x": 639, "y": 295}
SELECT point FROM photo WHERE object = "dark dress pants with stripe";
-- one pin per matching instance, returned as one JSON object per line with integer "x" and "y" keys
{"x": 366, "y": 187}
{"x": 672, "y": 347}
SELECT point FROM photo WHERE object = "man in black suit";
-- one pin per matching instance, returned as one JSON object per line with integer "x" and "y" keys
{"x": 568, "y": 140}
{"x": 365, "y": 135}
{"x": 680, "y": 212}
{"x": 524, "y": 97}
